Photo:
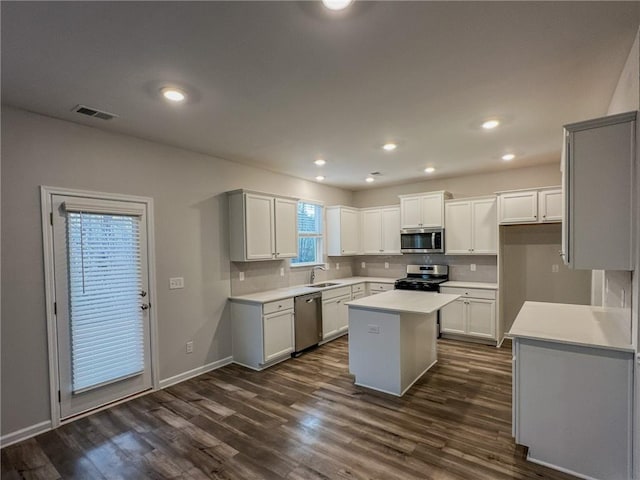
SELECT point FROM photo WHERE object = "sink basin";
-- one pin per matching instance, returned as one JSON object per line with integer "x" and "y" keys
{"x": 323, "y": 285}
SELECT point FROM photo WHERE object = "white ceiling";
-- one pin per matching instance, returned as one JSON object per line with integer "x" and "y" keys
{"x": 278, "y": 84}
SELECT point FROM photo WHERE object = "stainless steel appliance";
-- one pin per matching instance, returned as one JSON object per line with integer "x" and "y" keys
{"x": 308, "y": 321}
{"x": 422, "y": 240}
{"x": 425, "y": 278}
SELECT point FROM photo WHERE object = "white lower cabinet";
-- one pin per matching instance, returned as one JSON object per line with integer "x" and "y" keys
{"x": 335, "y": 312}
{"x": 374, "y": 288}
{"x": 262, "y": 334}
{"x": 473, "y": 314}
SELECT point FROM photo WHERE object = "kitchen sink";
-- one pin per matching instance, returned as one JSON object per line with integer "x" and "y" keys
{"x": 323, "y": 285}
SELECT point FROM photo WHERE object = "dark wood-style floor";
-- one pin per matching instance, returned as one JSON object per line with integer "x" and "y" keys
{"x": 302, "y": 419}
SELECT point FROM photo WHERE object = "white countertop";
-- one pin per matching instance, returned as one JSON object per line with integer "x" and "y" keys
{"x": 294, "y": 291}
{"x": 574, "y": 324}
{"x": 485, "y": 285}
{"x": 404, "y": 301}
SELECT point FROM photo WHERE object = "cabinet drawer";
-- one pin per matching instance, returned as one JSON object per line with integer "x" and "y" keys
{"x": 336, "y": 292}
{"x": 470, "y": 292}
{"x": 357, "y": 288}
{"x": 380, "y": 287}
{"x": 278, "y": 306}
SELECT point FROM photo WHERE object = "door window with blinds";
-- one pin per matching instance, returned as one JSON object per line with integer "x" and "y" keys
{"x": 102, "y": 302}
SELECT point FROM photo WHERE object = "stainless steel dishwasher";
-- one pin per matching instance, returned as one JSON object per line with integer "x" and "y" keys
{"x": 308, "y": 321}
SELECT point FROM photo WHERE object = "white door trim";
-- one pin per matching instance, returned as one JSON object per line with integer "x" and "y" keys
{"x": 46, "y": 193}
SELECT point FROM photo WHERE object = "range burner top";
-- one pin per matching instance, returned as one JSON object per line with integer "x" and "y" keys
{"x": 426, "y": 278}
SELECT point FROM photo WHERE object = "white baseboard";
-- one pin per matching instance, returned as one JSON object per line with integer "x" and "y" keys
{"x": 181, "y": 377}
{"x": 24, "y": 433}
{"x": 560, "y": 469}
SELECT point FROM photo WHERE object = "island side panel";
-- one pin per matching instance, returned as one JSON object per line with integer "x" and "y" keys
{"x": 418, "y": 346}
{"x": 374, "y": 358}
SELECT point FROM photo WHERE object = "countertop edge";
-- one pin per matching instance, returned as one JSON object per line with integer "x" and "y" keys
{"x": 564, "y": 341}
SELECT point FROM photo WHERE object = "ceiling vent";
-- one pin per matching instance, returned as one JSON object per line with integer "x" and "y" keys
{"x": 93, "y": 112}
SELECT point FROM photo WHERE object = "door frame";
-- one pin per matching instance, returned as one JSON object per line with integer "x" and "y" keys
{"x": 46, "y": 194}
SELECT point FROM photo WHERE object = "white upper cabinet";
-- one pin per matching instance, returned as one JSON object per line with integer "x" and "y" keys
{"x": 423, "y": 210}
{"x": 471, "y": 227}
{"x": 343, "y": 231}
{"x": 550, "y": 205}
{"x": 380, "y": 230}
{"x": 538, "y": 205}
{"x": 598, "y": 182}
{"x": 262, "y": 226}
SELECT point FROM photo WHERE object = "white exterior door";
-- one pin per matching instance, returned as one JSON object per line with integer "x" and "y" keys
{"x": 410, "y": 212}
{"x": 102, "y": 301}
{"x": 259, "y": 226}
{"x": 457, "y": 238}
{"x": 286, "y": 228}
{"x": 452, "y": 317}
{"x": 485, "y": 227}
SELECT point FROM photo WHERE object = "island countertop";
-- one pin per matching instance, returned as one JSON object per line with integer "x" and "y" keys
{"x": 404, "y": 301}
{"x": 585, "y": 325}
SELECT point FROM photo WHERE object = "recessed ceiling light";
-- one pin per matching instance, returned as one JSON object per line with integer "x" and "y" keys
{"x": 490, "y": 124}
{"x": 319, "y": 178}
{"x": 320, "y": 162}
{"x": 173, "y": 94}
{"x": 429, "y": 170}
{"x": 389, "y": 147}
{"x": 336, "y": 4}
{"x": 369, "y": 179}
{"x": 508, "y": 156}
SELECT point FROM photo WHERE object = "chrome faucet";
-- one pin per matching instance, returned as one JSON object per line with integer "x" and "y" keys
{"x": 313, "y": 272}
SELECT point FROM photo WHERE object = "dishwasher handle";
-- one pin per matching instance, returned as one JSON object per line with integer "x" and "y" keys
{"x": 309, "y": 300}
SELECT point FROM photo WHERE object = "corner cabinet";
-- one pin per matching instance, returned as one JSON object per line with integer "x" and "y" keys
{"x": 472, "y": 315}
{"x": 598, "y": 181}
{"x": 343, "y": 231}
{"x": 380, "y": 231}
{"x": 263, "y": 334}
{"x": 471, "y": 227}
{"x": 262, "y": 226}
{"x": 540, "y": 205}
{"x": 423, "y": 210}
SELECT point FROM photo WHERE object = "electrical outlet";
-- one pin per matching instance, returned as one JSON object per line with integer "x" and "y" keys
{"x": 327, "y": 266}
{"x": 386, "y": 265}
{"x": 555, "y": 268}
{"x": 473, "y": 267}
{"x": 241, "y": 276}
{"x": 282, "y": 271}
{"x": 176, "y": 282}
{"x": 337, "y": 265}
{"x": 190, "y": 346}
{"x": 363, "y": 265}
{"x": 373, "y": 329}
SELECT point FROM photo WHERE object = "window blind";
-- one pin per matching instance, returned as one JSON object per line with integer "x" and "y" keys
{"x": 105, "y": 281}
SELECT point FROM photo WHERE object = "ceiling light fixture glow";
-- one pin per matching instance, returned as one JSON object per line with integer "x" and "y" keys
{"x": 319, "y": 178}
{"x": 369, "y": 179}
{"x": 389, "y": 147}
{"x": 429, "y": 170}
{"x": 336, "y": 4}
{"x": 508, "y": 157}
{"x": 490, "y": 124}
{"x": 173, "y": 94}
{"x": 320, "y": 162}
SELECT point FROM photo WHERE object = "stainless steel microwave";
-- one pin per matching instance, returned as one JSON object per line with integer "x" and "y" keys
{"x": 422, "y": 240}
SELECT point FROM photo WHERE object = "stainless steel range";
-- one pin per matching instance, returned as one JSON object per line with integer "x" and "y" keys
{"x": 426, "y": 278}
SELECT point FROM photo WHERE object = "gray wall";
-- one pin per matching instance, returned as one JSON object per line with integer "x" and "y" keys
{"x": 528, "y": 255}
{"x": 191, "y": 241}
{"x": 467, "y": 185}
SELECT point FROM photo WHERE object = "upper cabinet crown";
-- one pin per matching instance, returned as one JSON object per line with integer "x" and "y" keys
{"x": 598, "y": 181}
{"x": 262, "y": 226}
{"x": 423, "y": 210}
{"x": 540, "y": 205}
{"x": 471, "y": 226}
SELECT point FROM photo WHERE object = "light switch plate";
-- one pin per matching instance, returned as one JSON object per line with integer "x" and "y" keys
{"x": 337, "y": 265}
{"x": 282, "y": 271}
{"x": 473, "y": 267}
{"x": 176, "y": 282}
{"x": 386, "y": 264}
{"x": 555, "y": 268}
{"x": 363, "y": 265}
{"x": 373, "y": 328}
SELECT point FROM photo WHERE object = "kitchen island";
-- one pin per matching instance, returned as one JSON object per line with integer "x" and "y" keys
{"x": 392, "y": 338}
{"x": 573, "y": 388}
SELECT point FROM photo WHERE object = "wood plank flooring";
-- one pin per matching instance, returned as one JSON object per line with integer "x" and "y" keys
{"x": 302, "y": 419}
